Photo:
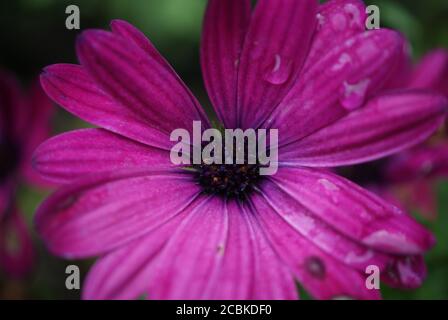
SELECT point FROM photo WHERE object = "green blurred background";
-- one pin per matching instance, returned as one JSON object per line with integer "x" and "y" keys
{"x": 33, "y": 35}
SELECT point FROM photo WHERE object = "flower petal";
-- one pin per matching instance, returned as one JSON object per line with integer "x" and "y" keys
{"x": 337, "y": 20}
{"x": 16, "y": 246}
{"x": 387, "y": 124}
{"x": 138, "y": 80}
{"x": 341, "y": 81}
{"x": 192, "y": 254}
{"x": 272, "y": 56}
{"x": 71, "y": 87}
{"x": 127, "y": 273}
{"x": 421, "y": 162}
{"x": 71, "y": 155}
{"x": 320, "y": 274}
{"x": 355, "y": 212}
{"x": 225, "y": 26}
{"x": 432, "y": 72}
{"x": 102, "y": 212}
{"x": 40, "y": 115}
{"x": 318, "y": 232}
{"x": 406, "y": 272}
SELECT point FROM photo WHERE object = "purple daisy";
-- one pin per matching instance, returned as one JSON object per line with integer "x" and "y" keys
{"x": 309, "y": 70}
{"x": 24, "y": 124}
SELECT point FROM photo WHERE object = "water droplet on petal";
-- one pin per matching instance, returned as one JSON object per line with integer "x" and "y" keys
{"x": 344, "y": 60}
{"x": 353, "y": 95}
{"x": 328, "y": 185}
{"x": 320, "y": 21}
{"x": 279, "y": 72}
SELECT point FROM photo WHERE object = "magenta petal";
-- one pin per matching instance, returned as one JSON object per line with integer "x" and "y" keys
{"x": 71, "y": 155}
{"x": 193, "y": 254}
{"x": 40, "y": 116}
{"x": 127, "y": 272}
{"x": 432, "y": 72}
{"x": 337, "y": 20}
{"x": 128, "y": 31}
{"x": 318, "y": 232}
{"x": 387, "y": 124}
{"x": 424, "y": 161}
{"x": 340, "y": 82}
{"x": 16, "y": 246}
{"x": 220, "y": 256}
{"x": 139, "y": 81}
{"x": 71, "y": 87}
{"x": 102, "y": 212}
{"x": 274, "y": 51}
{"x": 225, "y": 27}
{"x": 406, "y": 272}
{"x": 319, "y": 273}
{"x": 354, "y": 211}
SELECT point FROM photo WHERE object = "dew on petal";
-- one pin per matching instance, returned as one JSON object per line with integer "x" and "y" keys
{"x": 320, "y": 20}
{"x": 279, "y": 72}
{"x": 328, "y": 185}
{"x": 353, "y": 95}
{"x": 315, "y": 266}
{"x": 344, "y": 60}
{"x": 386, "y": 239}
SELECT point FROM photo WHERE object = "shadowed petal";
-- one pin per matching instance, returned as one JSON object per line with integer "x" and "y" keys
{"x": 340, "y": 82}
{"x": 71, "y": 155}
{"x": 355, "y": 212}
{"x": 40, "y": 114}
{"x": 16, "y": 246}
{"x": 274, "y": 51}
{"x": 387, "y": 124}
{"x": 102, "y": 212}
{"x": 421, "y": 162}
{"x": 225, "y": 26}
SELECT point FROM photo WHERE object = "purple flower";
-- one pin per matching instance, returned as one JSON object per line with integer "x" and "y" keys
{"x": 311, "y": 72}
{"x": 24, "y": 124}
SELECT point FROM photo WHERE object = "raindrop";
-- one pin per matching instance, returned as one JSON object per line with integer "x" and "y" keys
{"x": 353, "y": 95}
{"x": 279, "y": 72}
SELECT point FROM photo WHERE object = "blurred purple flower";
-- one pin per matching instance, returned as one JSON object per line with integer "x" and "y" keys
{"x": 311, "y": 72}
{"x": 24, "y": 124}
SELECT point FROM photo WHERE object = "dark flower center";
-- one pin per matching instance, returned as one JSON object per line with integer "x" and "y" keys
{"x": 9, "y": 157}
{"x": 228, "y": 180}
